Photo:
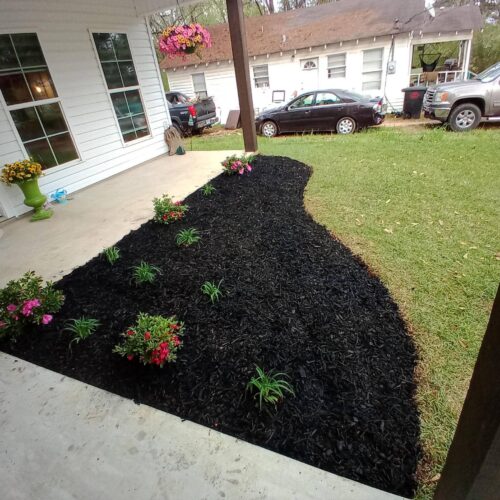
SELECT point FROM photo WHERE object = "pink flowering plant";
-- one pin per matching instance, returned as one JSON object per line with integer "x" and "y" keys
{"x": 167, "y": 211}
{"x": 184, "y": 39}
{"x": 27, "y": 301}
{"x": 153, "y": 340}
{"x": 237, "y": 164}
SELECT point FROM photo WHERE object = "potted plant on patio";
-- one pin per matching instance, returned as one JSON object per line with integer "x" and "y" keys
{"x": 25, "y": 174}
{"x": 184, "y": 39}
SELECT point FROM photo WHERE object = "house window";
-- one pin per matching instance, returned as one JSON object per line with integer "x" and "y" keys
{"x": 309, "y": 64}
{"x": 336, "y": 66}
{"x": 119, "y": 73}
{"x": 199, "y": 85}
{"x": 372, "y": 69}
{"x": 32, "y": 101}
{"x": 261, "y": 76}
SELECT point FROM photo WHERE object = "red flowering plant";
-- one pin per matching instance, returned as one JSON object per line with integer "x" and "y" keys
{"x": 153, "y": 340}
{"x": 26, "y": 301}
{"x": 184, "y": 39}
{"x": 237, "y": 164}
{"x": 167, "y": 211}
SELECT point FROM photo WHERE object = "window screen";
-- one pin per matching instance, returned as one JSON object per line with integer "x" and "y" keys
{"x": 261, "y": 76}
{"x": 336, "y": 66}
{"x": 372, "y": 69}
{"x": 199, "y": 85}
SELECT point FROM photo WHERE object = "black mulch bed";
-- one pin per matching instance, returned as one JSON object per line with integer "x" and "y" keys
{"x": 296, "y": 300}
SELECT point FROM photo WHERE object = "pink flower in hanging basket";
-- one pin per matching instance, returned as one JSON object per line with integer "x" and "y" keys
{"x": 185, "y": 39}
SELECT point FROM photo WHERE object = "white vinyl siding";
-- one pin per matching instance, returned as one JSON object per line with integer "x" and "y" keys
{"x": 372, "y": 69}
{"x": 199, "y": 85}
{"x": 64, "y": 34}
{"x": 337, "y": 65}
{"x": 261, "y": 76}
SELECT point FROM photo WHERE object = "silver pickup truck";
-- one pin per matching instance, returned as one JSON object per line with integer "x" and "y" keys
{"x": 463, "y": 105}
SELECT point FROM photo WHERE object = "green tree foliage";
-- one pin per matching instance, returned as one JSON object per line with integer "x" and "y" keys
{"x": 486, "y": 48}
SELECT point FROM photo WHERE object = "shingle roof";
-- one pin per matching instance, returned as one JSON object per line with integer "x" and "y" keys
{"x": 333, "y": 22}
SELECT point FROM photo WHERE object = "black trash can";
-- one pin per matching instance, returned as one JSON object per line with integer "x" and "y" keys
{"x": 414, "y": 97}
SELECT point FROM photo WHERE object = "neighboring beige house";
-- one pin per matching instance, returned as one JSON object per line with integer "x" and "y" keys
{"x": 362, "y": 45}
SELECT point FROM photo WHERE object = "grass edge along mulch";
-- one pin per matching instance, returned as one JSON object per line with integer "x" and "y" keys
{"x": 295, "y": 300}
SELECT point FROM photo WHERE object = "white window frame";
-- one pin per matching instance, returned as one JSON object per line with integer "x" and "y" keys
{"x": 373, "y": 71}
{"x": 265, "y": 77}
{"x": 334, "y": 66}
{"x": 121, "y": 89}
{"x": 204, "y": 85}
{"x": 30, "y": 104}
{"x": 314, "y": 60}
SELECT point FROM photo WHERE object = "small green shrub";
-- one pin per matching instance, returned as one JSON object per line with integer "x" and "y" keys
{"x": 208, "y": 189}
{"x": 82, "y": 328}
{"x": 187, "y": 237}
{"x": 145, "y": 273}
{"x": 112, "y": 254}
{"x": 235, "y": 164}
{"x": 212, "y": 290}
{"x": 166, "y": 211}
{"x": 153, "y": 340}
{"x": 270, "y": 386}
{"x": 26, "y": 301}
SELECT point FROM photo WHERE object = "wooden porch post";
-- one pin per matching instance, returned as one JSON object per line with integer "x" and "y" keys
{"x": 472, "y": 468}
{"x": 242, "y": 70}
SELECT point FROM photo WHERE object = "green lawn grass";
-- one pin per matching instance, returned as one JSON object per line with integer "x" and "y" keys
{"x": 421, "y": 207}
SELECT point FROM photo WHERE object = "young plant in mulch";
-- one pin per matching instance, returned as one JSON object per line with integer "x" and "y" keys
{"x": 153, "y": 340}
{"x": 145, "y": 273}
{"x": 187, "y": 237}
{"x": 212, "y": 291}
{"x": 27, "y": 301}
{"x": 237, "y": 164}
{"x": 81, "y": 328}
{"x": 112, "y": 254}
{"x": 208, "y": 189}
{"x": 167, "y": 211}
{"x": 269, "y": 387}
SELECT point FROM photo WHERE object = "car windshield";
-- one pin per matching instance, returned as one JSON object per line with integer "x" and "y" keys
{"x": 355, "y": 96}
{"x": 488, "y": 75}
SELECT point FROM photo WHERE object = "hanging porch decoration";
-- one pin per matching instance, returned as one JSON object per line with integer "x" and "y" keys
{"x": 184, "y": 39}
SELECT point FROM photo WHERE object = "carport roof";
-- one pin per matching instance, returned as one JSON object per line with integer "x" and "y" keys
{"x": 333, "y": 22}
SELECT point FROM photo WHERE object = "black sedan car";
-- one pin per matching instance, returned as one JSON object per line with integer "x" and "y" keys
{"x": 321, "y": 111}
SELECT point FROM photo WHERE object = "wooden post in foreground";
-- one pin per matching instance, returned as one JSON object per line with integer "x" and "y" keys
{"x": 242, "y": 71}
{"x": 472, "y": 468}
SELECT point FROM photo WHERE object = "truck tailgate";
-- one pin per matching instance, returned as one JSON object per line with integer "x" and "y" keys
{"x": 205, "y": 108}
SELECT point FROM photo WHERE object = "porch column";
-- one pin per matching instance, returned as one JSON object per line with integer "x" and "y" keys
{"x": 242, "y": 71}
{"x": 472, "y": 468}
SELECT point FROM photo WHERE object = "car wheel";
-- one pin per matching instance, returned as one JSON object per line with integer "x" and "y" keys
{"x": 346, "y": 125}
{"x": 464, "y": 117}
{"x": 269, "y": 129}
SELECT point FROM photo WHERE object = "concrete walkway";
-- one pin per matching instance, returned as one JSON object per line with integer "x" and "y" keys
{"x": 61, "y": 439}
{"x": 100, "y": 215}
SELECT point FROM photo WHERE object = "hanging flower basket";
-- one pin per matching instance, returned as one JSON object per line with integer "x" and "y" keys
{"x": 183, "y": 40}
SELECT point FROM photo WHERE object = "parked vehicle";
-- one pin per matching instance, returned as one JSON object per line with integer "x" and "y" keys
{"x": 321, "y": 111}
{"x": 190, "y": 115}
{"x": 463, "y": 105}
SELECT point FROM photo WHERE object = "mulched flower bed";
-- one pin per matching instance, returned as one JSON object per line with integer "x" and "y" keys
{"x": 295, "y": 300}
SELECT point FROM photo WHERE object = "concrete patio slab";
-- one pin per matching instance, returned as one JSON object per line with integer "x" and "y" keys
{"x": 100, "y": 215}
{"x": 61, "y": 439}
